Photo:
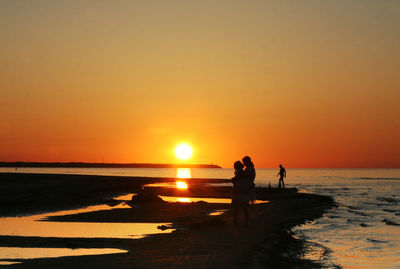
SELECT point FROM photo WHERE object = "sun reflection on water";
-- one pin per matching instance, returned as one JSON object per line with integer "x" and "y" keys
{"x": 183, "y": 200}
{"x": 181, "y": 185}
{"x": 183, "y": 173}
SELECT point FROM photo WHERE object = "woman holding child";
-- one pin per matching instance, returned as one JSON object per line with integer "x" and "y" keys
{"x": 243, "y": 188}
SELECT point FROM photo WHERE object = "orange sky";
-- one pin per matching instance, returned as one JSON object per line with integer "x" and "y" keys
{"x": 303, "y": 83}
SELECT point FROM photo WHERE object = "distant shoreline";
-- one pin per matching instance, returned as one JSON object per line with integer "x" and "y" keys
{"x": 104, "y": 165}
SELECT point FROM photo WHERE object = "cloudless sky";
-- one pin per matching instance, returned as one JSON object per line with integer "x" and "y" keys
{"x": 302, "y": 83}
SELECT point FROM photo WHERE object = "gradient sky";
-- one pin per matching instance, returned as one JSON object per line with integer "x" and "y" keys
{"x": 302, "y": 83}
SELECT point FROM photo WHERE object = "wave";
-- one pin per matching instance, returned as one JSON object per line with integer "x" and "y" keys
{"x": 378, "y": 178}
{"x": 388, "y": 199}
{"x": 389, "y": 222}
{"x": 358, "y": 213}
{"x": 390, "y": 210}
{"x": 376, "y": 241}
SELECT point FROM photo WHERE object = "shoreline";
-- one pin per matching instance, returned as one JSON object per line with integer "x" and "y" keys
{"x": 199, "y": 241}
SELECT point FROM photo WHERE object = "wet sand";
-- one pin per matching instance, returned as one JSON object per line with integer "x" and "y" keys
{"x": 199, "y": 241}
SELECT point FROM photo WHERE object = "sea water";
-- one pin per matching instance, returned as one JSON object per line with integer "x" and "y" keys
{"x": 362, "y": 232}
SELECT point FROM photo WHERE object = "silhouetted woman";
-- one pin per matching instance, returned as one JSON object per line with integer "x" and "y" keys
{"x": 241, "y": 192}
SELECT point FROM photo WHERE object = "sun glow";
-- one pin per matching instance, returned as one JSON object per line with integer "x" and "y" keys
{"x": 183, "y": 151}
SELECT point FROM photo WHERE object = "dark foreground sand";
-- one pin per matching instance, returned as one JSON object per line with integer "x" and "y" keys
{"x": 200, "y": 241}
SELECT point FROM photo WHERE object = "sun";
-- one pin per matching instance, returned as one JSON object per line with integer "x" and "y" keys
{"x": 183, "y": 151}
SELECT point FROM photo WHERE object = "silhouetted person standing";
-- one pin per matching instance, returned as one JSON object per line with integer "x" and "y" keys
{"x": 241, "y": 193}
{"x": 250, "y": 174}
{"x": 281, "y": 174}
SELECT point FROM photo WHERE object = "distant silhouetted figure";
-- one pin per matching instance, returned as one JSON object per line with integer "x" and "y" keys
{"x": 281, "y": 174}
{"x": 250, "y": 173}
{"x": 241, "y": 192}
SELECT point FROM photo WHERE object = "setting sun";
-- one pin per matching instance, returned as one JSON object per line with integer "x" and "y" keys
{"x": 183, "y": 151}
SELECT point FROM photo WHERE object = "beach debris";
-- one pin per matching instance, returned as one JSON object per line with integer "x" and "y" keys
{"x": 311, "y": 222}
{"x": 145, "y": 199}
{"x": 164, "y": 227}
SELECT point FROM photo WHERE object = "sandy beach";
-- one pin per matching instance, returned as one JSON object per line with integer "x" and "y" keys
{"x": 198, "y": 240}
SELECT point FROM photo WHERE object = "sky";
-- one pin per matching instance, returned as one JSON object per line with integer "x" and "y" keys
{"x": 302, "y": 83}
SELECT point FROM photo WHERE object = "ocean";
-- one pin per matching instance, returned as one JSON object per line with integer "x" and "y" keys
{"x": 363, "y": 231}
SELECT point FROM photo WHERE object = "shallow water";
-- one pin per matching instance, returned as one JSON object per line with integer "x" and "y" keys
{"x": 218, "y": 212}
{"x": 128, "y": 197}
{"x": 8, "y": 255}
{"x": 362, "y": 232}
{"x": 36, "y": 225}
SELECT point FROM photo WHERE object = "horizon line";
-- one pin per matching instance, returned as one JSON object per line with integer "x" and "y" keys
{"x": 108, "y": 165}
{"x": 166, "y": 165}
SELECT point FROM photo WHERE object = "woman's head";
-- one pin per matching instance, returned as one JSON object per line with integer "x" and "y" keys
{"x": 238, "y": 165}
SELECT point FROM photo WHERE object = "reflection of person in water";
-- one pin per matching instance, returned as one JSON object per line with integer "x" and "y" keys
{"x": 241, "y": 192}
{"x": 281, "y": 174}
